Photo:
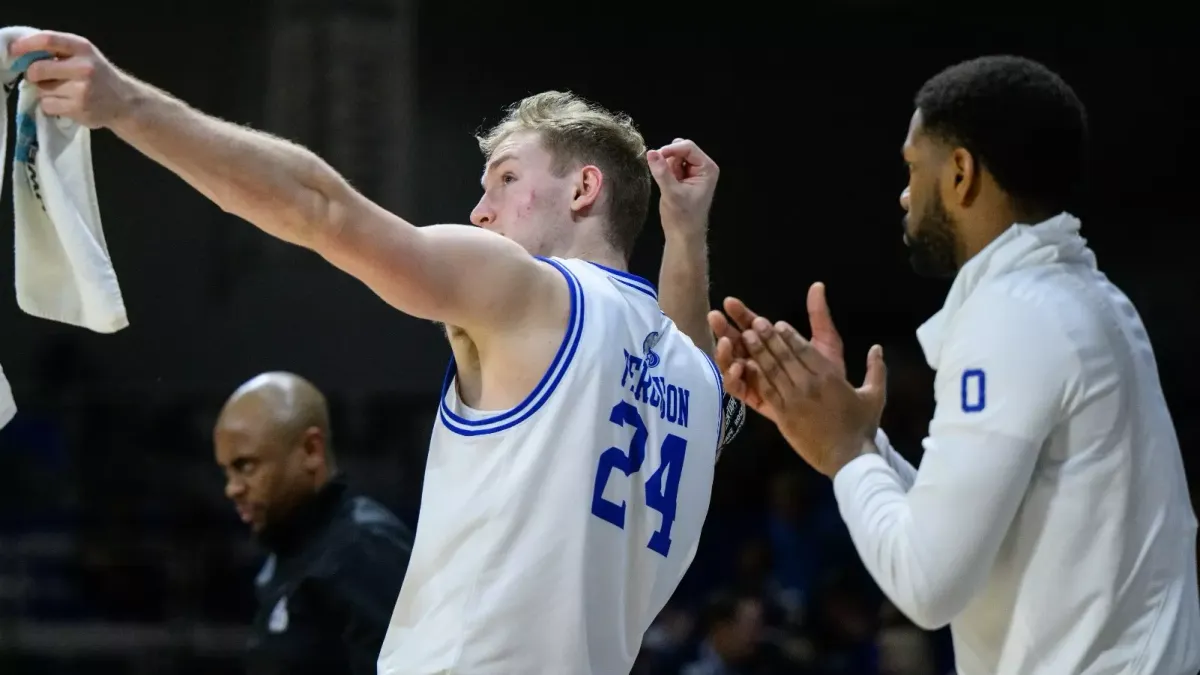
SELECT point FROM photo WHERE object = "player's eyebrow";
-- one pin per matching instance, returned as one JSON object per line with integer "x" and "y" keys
{"x": 496, "y": 161}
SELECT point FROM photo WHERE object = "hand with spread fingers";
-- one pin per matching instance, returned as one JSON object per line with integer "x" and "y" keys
{"x": 731, "y": 352}
{"x": 800, "y": 384}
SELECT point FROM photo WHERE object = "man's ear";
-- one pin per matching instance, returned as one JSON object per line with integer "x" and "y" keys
{"x": 589, "y": 181}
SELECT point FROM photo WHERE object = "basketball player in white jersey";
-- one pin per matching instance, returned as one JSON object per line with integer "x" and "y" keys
{"x": 570, "y": 468}
{"x": 559, "y": 515}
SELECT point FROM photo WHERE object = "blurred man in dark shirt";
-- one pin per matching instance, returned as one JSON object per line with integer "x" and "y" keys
{"x": 337, "y": 559}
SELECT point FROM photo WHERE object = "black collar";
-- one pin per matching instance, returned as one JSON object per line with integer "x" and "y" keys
{"x": 306, "y": 520}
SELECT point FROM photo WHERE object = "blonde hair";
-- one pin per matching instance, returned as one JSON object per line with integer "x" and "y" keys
{"x": 575, "y": 132}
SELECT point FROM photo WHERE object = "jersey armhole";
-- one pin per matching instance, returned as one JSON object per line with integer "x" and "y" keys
{"x": 720, "y": 403}
{"x": 545, "y": 387}
{"x": 731, "y": 413}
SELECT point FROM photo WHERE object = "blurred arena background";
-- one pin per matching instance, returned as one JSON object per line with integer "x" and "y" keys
{"x": 118, "y": 551}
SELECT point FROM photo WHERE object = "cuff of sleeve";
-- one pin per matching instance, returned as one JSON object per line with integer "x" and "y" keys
{"x": 848, "y": 480}
{"x": 882, "y": 442}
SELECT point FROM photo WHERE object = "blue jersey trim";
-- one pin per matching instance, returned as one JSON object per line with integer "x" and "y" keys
{"x": 541, "y": 393}
{"x": 720, "y": 399}
{"x": 637, "y": 288}
{"x": 630, "y": 280}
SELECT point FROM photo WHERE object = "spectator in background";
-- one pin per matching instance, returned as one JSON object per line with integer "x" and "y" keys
{"x": 903, "y": 648}
{"x": 842, "y": 626}
{"x": 796, "y": 527}
{"x": 732, "y": 642}
{"x": 668, "y": 644}
{"x": 337, "y": 559}
{"x": 753, "y": 577}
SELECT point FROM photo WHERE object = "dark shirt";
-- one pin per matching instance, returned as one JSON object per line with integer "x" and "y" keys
{"x": 327, "y": 591}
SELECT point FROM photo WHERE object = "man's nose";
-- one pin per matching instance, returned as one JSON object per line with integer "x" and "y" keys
{"x": 234, "y": 488}
{"x": 482, "y": 215}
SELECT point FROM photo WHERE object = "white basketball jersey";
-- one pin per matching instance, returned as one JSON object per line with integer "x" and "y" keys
{"x": 551, "y": 534}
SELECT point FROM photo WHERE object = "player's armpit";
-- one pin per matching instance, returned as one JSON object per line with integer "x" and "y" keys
{"x": 455, "y": 274}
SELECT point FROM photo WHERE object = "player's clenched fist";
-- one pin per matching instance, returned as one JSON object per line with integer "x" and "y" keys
{"x": 73, "y": 78}
{"x": 686, "y": 178}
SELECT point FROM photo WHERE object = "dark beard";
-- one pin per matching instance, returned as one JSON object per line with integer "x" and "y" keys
{"x": 931, "y": 249}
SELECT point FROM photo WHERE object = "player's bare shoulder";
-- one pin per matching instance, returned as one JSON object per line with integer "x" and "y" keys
{"x": 495, "y": 284}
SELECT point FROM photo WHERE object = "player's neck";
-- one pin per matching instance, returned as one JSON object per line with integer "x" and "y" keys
{"x": 993, "y": 219}
{"x": 598, "y": 252}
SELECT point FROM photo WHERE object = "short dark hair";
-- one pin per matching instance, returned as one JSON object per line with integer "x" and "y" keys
{"x": 1019, "y": 120}
{"x": 576, "y": 131}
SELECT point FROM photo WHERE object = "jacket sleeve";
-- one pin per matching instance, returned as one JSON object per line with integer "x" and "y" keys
{"x": 1003, "y": 384}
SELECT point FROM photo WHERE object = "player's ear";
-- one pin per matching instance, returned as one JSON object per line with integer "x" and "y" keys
{"x": 588, "y": 182}
{"x": 965, "y": 172}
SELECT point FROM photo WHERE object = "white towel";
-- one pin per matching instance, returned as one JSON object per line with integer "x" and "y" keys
{"x": 8, "y": 407}
{"x": 63, "y": 270}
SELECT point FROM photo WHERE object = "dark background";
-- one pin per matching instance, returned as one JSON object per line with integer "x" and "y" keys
{"x": 117, "y": 551}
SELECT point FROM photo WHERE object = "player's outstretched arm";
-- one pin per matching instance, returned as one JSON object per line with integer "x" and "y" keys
{"x": 455, "y": 274}
{"x": 687, "y": 179}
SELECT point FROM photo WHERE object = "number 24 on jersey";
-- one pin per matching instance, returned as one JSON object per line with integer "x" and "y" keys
{"x": 662, "y": 488}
